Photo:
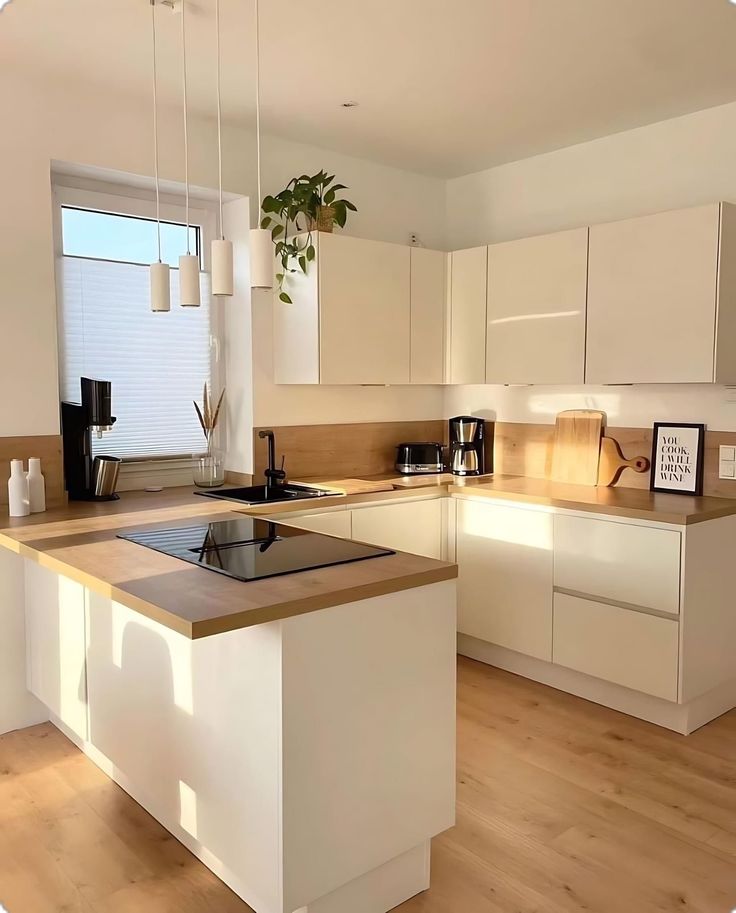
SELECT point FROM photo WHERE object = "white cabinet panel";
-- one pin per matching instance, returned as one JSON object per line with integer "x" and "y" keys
{"x": 335, "y": 523}
{"x": 414, "y": 527}
{"x": 505, "y": 582}
{"x": 652, "y": 298}
{"x": 428, "y": 302}
{"x": 537, "y": 289}
{"x": 364, "y": 311}
{"x": 56, "y": 645}
{"x": 467, "y": 316}
{"x": 639, "y": 565}
{"x": 296, "y": 330}
{"x": 628, "y": 648}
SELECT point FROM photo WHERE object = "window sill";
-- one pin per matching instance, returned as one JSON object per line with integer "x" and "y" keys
{"x": 138, "y": 474}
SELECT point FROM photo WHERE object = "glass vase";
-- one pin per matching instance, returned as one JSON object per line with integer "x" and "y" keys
{"x": 209, "y": 467}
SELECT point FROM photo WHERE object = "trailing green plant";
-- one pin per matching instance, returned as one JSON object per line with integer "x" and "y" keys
{"x": 306, "y": 204}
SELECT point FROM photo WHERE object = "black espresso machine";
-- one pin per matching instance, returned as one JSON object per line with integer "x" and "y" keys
{"x": 89, "y": 478}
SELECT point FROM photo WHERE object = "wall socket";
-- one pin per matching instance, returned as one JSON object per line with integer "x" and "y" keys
{"x": 727, "y": 462}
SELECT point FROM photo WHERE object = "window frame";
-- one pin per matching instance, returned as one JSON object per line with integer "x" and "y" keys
{"x": 165, "y": 470}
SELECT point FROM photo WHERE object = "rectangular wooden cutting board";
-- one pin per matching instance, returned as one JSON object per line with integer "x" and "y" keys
{"x": 574, "y": 451}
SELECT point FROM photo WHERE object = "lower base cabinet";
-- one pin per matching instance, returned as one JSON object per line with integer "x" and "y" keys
{"x": 56, "y": 645}
{"x": 336, "y": 523}
{"x": 628, "y": 648}
{"x": 505, "y": 581}
{"x": 415, "y": 527}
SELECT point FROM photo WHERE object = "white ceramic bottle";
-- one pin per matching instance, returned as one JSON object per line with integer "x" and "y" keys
{"x": 18, "y": 498}
{"x": 36, "y": 486}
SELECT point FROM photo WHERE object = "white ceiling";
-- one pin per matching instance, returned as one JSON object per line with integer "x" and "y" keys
{"x": 444, "y": 86}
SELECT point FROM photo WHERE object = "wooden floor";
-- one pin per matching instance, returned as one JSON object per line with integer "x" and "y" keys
{"x": 562, "y": 806}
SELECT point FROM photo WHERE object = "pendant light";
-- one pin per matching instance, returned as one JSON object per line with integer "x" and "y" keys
{"x": 222, "y": 250}
{"x": 159, "y": 272}
{"x": 188, "y": 263}
{"x": 261, "y": 251}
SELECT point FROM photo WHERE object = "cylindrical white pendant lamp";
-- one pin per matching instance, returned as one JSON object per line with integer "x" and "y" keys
{"x": 189, "y": 281}
{"x": 160, "y": 287}
{"x": 261, "y": 258}
{"x": 261, "y": 248}
{"x": 188, "y": 263}
{"x": 221, "y": 256}
{"x": 159, "y": 273}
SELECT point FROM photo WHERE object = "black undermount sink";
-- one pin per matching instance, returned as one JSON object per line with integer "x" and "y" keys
{"x": 261, "y": 494}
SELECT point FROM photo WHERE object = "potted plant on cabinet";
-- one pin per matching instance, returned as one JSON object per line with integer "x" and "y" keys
{"x": 305, "y": 205}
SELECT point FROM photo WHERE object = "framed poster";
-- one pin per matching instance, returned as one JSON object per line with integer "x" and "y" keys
{"x": 677, "y": 458}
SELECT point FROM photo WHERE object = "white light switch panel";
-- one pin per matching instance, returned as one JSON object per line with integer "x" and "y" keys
{"x": 727, "y": 462}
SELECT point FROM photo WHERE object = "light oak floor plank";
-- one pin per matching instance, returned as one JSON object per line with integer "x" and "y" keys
{"x": 563, "y": 807}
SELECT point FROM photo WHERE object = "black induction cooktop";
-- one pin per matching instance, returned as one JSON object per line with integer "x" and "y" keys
{"x": 250, "y": 549}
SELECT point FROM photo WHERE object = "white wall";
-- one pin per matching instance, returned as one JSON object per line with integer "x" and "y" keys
{"x": 44, "y": 121}
{"x": 677, "y": 163}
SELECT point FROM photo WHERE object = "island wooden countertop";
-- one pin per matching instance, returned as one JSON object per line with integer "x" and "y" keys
{"x": 80, "y": 542}
{"x": 634, "y": 503}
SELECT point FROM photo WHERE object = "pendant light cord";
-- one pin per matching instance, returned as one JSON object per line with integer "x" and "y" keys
{"x": 186, "y": 122}
{"x": 258, "y": 109}
{"x": 155, "y": 129}
{"x": 219, "y": 117}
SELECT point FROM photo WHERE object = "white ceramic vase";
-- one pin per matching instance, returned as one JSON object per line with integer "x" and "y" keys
{"x": 18, "y": 498}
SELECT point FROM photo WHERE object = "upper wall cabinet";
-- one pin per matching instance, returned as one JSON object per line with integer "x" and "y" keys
{"x": 367, "y": 312}
{"x": 350, "y": 320}
{"x": 662, "y": 298}
{"x": 466, "y": 321}
{"x": 536, "y": 309}
{"x": 428, "y": 298}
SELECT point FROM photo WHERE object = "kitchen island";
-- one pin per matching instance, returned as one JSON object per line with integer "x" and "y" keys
{"x": 296, "y": 733}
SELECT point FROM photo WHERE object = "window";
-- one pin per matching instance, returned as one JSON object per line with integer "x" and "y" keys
{"x": 157, "y": 363}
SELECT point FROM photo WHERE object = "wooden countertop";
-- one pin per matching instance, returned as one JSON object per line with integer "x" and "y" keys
{"x": 635, "y": 503}
{"x": 80, "y": 541}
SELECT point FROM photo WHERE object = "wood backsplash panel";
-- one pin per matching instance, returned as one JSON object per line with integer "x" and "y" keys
{"x": 48, "y": 448}
{"x": 521, "y": 448}
{"x": 342, "y": 451}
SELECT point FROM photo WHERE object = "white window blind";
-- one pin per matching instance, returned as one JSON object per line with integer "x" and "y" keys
{"x": 157, "y": 363}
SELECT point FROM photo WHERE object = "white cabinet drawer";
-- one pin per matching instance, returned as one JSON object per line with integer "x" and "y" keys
{"x": 639, "y": 565}
{"x": 628, "y": 648}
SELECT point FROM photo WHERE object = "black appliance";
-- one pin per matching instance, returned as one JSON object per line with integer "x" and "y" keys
{"x": 468, "y": 446}
{"x": 251, "y": 549}
{"x": 87, "y": 478}
{"x": 419, "y": 458}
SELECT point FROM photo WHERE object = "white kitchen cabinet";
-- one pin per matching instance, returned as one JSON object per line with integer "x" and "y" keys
{"x": 407, "y": 526}
{"x": 505, "y": 581}
{"x": 537, "y": 289}
{"x": 620, "y": 562}
{"x": 628, "y": 648}
{"x": 466, "y": 320}
{"x": 350, "y": 318}
{"x": 428, "y": 307}
{"x": 661, "y": 298}
{"x": 331, "y": 523}
{"x": 56, "y": 645}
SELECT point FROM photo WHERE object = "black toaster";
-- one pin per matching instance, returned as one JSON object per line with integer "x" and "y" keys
{"x": 418, "y": 458}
